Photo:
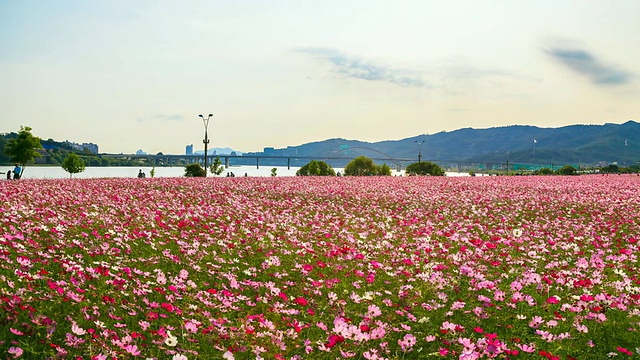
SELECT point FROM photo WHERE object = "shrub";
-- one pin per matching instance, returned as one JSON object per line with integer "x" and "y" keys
{"x": 424, "y": 168}
{"x": 194, "y": 170}
{"x": 316, "y": 168}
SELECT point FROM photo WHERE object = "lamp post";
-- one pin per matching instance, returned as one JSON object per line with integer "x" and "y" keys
{"x": 205, "y": 120}
{"x": 419, "y": 149}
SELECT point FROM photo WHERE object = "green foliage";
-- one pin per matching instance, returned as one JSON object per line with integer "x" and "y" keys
{"x": 361, "y": 166}
{"x": 424, "y": 168}
{"x": 545, "y": 171}
{"x": 4, "y": 158}
{"x": 216, "y": 168}
{"x": 274, "y": 172}
{"x": 384, "y": 170}
{"x": 194, "y": 170}
{"x": 611, "y": 169}
{"x": 23, "y": 149}
{"x": 153, "y": 172}
{"x": 567, "y": 170}
{"x": 316, "y": 168}
{"x": 73, "y": 164}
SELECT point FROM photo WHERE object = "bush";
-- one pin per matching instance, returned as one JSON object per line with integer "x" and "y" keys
{"x": 316, "y": 168}
{"x": 194, "y": 170}
{"x": 567, "y": 170}
{"x": 545, "y": 171}
{"x": 384, "y": 170}
{"x": 424, "y": 168}
{"x": 360, "y": 166}
{"x": 363, "y": 166}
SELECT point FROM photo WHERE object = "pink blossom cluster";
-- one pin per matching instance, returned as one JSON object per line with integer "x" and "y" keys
{"x": 293, "y": 268}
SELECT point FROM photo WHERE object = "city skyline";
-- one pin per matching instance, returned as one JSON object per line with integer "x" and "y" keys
{"x": 130, "y": 76}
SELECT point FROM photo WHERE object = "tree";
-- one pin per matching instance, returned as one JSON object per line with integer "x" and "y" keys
{"x": 567, "y": 170}
{"x": 424, "y": 168}
{"x": 73, "y": 164}
{"x": 194, "y": 170}
{"x": 24, "y": 148}
{"x": 611, "y": 169}
{"x": 384, "y": 170}
{"x": 545, "y": 171}
{"x": 361, "y": 166}
{"x": 216, "y": 168}
{"x": 274, "y": 171}
{"x": 316, "y": 168}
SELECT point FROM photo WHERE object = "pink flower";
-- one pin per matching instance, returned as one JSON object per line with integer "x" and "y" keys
{"x": 132, "y": 349}
{"x": 16, "y": 352}
{"x": 77, "y": 329}
{"x": 407, "y": 342}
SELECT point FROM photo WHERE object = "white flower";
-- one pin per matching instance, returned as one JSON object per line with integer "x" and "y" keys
{"x": 517, "y": 232}
{"x": 171, "y": 340}
{"x": 228, "y": 356}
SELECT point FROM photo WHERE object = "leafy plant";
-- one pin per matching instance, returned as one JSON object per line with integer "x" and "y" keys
{"x": 73, "y": 164}
{"x": 216, "y": 168}
{"x": 24, "y": 148}
{"x": 316, "y": 168}
{"x": 424, "y": 168}
{"x": 194, "y": 170}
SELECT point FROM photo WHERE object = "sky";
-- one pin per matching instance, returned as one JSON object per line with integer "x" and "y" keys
{"x": 131, "y": 75}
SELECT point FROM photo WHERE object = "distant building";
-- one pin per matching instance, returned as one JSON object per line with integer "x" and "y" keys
{"x": 189, "y": 149}
{"x": 269, "y": 151}
{"x": 90, "y": 147}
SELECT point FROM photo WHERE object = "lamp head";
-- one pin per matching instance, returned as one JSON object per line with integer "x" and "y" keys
{"x": 201, "y": 116}
{"x": 210, "y": 115}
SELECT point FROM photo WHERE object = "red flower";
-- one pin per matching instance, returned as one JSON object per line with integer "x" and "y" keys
{"x": 301, "y": 301}
{"x": 334, "y": 340}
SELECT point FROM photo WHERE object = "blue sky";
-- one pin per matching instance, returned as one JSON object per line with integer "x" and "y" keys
{"x": 131, "y": 75}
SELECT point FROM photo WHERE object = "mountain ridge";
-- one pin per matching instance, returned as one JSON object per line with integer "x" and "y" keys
{"x": 575, "y": 144}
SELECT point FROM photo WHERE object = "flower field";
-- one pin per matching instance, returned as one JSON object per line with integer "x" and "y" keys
{"x": 321, "y": 268}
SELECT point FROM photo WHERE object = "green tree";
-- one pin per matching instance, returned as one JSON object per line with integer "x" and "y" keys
{"x": 274, "y": 172}
{"x": 4, "y": 158}
{"x": 611, "y": 169}
{"x": 216, "y": 168}
{"x": 424, "y": 168}
{"x": 567, "y": 170}
{"x": 24, "y": 148}
{"x": 384, "y": 170}
{"x": 73, "y": 164}
{"x": 153, "y": 172}
{"x": 361, "y": 166}
{"x": 194, "y": 170}
{"x": 316, "y": 168}
{"x": 545, "y": 171}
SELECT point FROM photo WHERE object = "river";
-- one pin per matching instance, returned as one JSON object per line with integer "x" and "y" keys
{"x": 56, "y": 172}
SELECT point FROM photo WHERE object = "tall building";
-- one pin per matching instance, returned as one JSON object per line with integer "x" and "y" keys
{"x": 189, "y": 150}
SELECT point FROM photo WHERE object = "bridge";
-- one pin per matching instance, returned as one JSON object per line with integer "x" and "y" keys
{"x": 180, "y": 160}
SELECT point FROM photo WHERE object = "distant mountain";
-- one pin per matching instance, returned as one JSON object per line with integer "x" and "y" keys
{"x": 575, "y": 144}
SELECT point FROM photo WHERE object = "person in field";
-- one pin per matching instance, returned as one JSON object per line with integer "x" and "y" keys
{"x": 17, "y": 171}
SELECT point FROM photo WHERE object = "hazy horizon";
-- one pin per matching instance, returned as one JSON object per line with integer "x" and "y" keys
{"x": 131, "y": 76}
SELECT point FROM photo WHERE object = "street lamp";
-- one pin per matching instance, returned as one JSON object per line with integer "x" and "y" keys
{"x": 205, "y": 120}
{"x": 419, "y": 149}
